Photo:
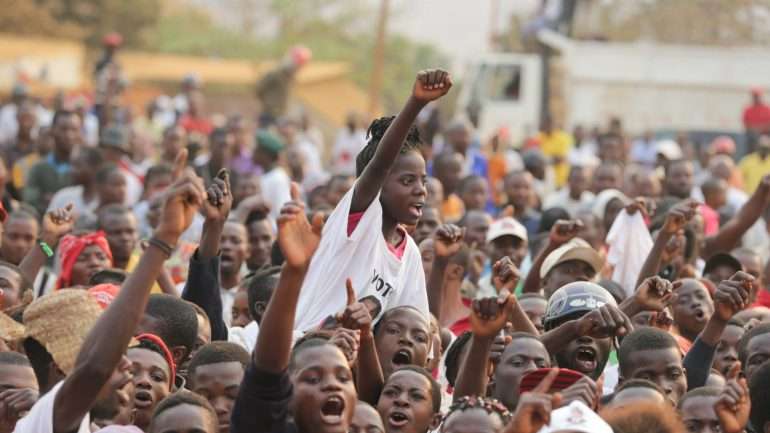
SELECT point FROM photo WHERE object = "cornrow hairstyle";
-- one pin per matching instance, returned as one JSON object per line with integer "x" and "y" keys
{"x": 452, "y": 359}
{"x": 489, "y": 405}
{"x": 375, "y": 132}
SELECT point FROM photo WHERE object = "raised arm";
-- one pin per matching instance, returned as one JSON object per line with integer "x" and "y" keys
{"x": 447, "y": 242}
{"x": 429, "y": 85}
{"x": 369, "y": 377}
{"x": 202, "y": 285}
{"x": 673, "y": 226}
{"x": 729, "y": 235}
{"x": 488, "y": 318}
{"x": 56, "y": 223}
{"x": 106, "y": 343}
{"x": 298, "y": 241}
{"x": 505, "y": 276}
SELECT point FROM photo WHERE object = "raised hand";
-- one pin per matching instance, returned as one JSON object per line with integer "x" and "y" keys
{"x": 584, "y": 390}
{"x": 643, "y": 205}
{"x": 57, "y": 223}
{"x": 505, "y": 275}
{"x": 655, "y": 293}
{"x": 534, "y": 408}
{"x": 348, "y": 340}
{"x": 489, "y": 315}
{"x": 182, "y": 201}
{"x": 14, "y": 404}
{"x": 732, "y": 295}
{"x": 356, "y": 316}
{"x": 734, "y": 405}
{"x": 564, "y": 231}
{"x": 220, "y": 198}
{"x": 431, "y": 84}
{"x": 603, "y": 322}
{"x": 297, "y": 238}
{"x": 447, "y": 240}
{"x": 679, "y": 215}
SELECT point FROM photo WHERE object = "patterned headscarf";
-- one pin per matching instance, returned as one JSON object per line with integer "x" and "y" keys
{"x": 70, "y": 248}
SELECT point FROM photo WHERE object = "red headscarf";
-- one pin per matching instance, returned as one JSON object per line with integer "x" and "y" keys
{"x": 70, "y": 248}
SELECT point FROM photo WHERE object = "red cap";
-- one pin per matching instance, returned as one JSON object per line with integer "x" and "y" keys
{"x": 113, "y": 39}
{"x": 300, "y": 55}
{"x": 564, "y": 379}
{"x": 104, "y": 294}
{"x": 723, "y": 144}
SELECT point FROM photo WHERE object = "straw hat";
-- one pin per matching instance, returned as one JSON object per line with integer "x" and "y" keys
{"x": 10, "y": 330}
{"x": 60, "y": 322}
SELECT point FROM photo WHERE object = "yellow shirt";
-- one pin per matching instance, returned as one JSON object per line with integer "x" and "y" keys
{"x": 131, "y": 265}
{"x": 557, "y": 144}
{"x": 753, "y": 168}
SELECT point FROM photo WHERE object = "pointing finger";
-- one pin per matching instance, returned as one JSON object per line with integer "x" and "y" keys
{"x": 351, "y": 292}
{"x": 180, "y": 163}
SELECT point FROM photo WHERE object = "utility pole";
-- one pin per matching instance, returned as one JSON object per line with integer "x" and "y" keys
{"x": 375, "y": 84}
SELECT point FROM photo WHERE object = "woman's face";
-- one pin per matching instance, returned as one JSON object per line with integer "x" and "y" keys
{"x": 152, "y": 382}
{"x": 90, "y": 261}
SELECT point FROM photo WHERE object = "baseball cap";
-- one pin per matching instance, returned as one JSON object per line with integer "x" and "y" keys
{"x": 269, "y": 142}
{"x": 723, "y": 144}
{"x": 506, "y": 226}
{"x": 114, "y": 137}
{"x": 669, "y": 149}
{"x": 563, "y": 380}
{"x": 576, "y": 417}
{"x": 720, "y": 259}
{"x": 576, "y": 249}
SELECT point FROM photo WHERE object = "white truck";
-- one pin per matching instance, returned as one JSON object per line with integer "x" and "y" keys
{"x": 649, "y": 86}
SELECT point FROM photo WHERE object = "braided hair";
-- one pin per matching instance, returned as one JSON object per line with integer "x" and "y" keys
{"x": 375, "y": 132}
{"x": 490, "y": 405}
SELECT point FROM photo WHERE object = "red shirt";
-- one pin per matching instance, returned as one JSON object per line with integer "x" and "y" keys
{"x": 200, "y": 125}
{"x": 757, "y": 117}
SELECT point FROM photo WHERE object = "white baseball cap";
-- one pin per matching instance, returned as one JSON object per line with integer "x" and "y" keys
{"x": 576, "y": 417}
{"x": 506, "y": 226}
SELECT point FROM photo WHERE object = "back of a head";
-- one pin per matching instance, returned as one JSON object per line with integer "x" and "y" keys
{"x": 641, "y": 339}
{"x": 375, "y": 133}
{"x": 218, "y": 352}
{"x": 759, "y": 384}
{"x": 644, "y": 417}
{"x": 180, "y": 398}
{"x": 115, "y": 209}
{"x": 176, "y": 322}
{"x": 261, "y": 286}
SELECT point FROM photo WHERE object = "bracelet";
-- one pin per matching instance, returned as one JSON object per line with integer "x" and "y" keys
{"x": 47, "y": 250}
{"x": 159, "y": 244}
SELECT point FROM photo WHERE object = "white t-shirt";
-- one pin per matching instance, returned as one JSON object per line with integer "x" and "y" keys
{"x": 40, "y": 417}
{"x": 276, "y": 190}
{"x": 376, "y": 273}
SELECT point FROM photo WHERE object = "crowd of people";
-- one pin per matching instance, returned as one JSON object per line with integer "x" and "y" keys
{"x": 185, "y": 272}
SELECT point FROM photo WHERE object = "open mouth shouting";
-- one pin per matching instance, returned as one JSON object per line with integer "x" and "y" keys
{"x": 585, "y": 359}
{"x": 397, "y": 419}
{"x": 142, "y": 399}
{"x": 416, "y": 209}
{"x": 332, "y": 409}
{"x": 401, "y": 358}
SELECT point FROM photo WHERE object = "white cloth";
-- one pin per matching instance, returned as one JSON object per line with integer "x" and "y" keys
{"x": 74, "y": 195}
{"x": 245, "y": 337}
{"x": 228, "y": 298}
{"x": 345, "y": 150}
{"x": 364, "y": 257}
{"x": 561, "y": 198}
{"x": 40, "y": 417}
{"x": 629, "y": 242}
{"x": 276, "y": 190}
{"x": 576, "y": 417}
